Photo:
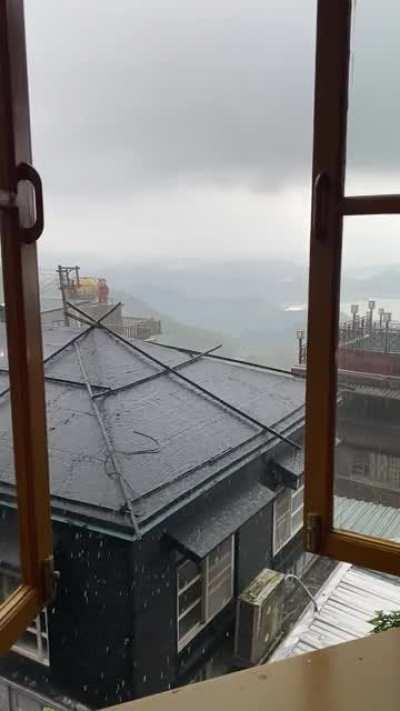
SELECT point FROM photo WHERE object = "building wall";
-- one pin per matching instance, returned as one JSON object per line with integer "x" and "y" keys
{"x": 254, "y": 548}
{"x": 365, "y": 361}
{"x": 91, "y": 626}
{"x": 113, "y": 628}
{"x": 154, "y": 615}
{"x": 367, "y": 461}
{"x": 158, "y": 666}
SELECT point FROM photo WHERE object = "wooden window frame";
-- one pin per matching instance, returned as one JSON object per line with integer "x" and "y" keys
{"x": 21, "y": 291}
{"x": 38, "y": 631}
{"x": 329, "y": 206}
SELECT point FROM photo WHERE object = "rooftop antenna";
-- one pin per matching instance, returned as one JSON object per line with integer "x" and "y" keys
{"x": 66, "y": 284}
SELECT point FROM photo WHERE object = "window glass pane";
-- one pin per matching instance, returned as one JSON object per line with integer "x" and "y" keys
{"x": 218, "y": 569}
{"x": 367, "y": 453}
{"x": 174, "y": 144}
{"x": 188, "y": 597}
{"x": 283, "y": 504}
{"x": 219, "y": 559}
{"x": 374, "y": 104}
{"x": 220, "y": 594}
{"x": 10, "y": 574}
{"x": 297, "y": 499}
{"x": 297, "y": 521}
{"x": 282, "y": 532}
{"x": 187, "y": 571}
{"x": 34, "y": 643}
{"x": 190, "y": 621}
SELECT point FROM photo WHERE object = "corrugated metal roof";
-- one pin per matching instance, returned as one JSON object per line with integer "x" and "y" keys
{"x": 347, "y": 602}
{"x": 367, "y": 518}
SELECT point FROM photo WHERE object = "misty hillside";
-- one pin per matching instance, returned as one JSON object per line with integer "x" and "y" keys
{"x": 174, "y": 333}
{"x": 253, "y": 308}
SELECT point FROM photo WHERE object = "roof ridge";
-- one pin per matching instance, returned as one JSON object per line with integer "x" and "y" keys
{"x": 228, "y": 359}
{"x": 109, "y": 445}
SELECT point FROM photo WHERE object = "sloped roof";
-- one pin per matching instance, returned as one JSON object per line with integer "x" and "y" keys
{"x": 347, "y": 602}
{"x": 351, "y": 596}
{"x": 367, "y": 518}
{"x": 167, "y": 437}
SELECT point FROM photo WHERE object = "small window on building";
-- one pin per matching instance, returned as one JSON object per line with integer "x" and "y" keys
{"x": 34, "y": 642}
{"x": 288, "y": 517}
{"x": 189, "y": 601}
{"x": 203, "y": 590}
{"x": 220, "y": 577}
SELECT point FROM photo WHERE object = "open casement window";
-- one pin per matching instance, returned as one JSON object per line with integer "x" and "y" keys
{"x": 353, "y": 415}
{"x": 24, "y": 488}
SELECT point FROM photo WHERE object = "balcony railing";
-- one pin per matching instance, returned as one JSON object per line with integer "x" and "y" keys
{"x": 380, "y": 335}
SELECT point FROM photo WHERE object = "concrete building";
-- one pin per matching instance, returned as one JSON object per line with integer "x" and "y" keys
{"x": 175, "y": 480}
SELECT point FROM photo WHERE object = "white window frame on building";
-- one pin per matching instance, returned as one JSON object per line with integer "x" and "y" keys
{"x": 288, "y": 511}
{"x": 215, "y": 574}
{"x": 34, "y": 642}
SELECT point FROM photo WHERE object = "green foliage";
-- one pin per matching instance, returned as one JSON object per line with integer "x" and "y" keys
{"x": 385, "y": 620}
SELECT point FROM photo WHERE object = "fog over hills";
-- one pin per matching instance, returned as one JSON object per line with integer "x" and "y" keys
{"x": 252, "y": 307}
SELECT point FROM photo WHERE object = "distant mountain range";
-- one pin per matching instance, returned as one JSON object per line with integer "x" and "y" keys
{"x": 253, "y": 307}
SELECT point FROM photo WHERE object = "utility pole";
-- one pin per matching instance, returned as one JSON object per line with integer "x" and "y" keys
{"x": 66, "y": 284}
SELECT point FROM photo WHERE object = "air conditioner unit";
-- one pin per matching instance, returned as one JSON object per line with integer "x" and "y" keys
{"x": 259, "y": 617}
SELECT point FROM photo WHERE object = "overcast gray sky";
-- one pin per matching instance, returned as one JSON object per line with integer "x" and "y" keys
{"x": 184, "y": 127}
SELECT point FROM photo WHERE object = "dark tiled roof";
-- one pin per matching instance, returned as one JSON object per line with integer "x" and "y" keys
{"x": 218, "y": 516}
{"x": 292, "y": 461}
{"x": 168, "y": 438}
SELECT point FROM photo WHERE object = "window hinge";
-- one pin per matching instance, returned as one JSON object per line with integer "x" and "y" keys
{"x": 50, "y": 578}
{"x": 313, "y": 532}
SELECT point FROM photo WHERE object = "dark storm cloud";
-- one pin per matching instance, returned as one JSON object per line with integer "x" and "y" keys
{"x": 130, "y": 95}
{"x": 136, "y": 94}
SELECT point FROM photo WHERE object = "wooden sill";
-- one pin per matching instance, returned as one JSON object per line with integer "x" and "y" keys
{"x": 363, "y": 674}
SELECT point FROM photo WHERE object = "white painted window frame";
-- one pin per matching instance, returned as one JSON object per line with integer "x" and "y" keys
{"x": 204, "y": 575}
{"x": 39, "y": 629}
{"x": 293, "y": 512}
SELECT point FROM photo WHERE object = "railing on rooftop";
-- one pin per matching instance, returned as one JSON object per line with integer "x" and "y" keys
{"x": 381, "y": 335}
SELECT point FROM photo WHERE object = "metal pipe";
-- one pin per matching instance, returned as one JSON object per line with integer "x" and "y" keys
{"x": 292, "y": 576}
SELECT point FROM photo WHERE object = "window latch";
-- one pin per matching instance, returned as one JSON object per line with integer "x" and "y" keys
{"x": 313, "y": 532}
{"x": 50, "y": 578}
{"x": 10, "y": 200}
